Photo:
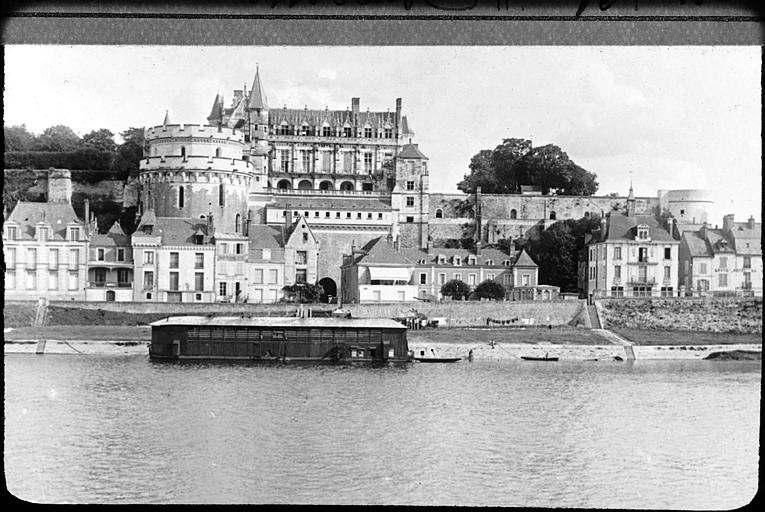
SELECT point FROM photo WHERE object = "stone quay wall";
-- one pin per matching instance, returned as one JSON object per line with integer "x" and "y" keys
{"x": 736, "y": 315}
{"x": 448, "y": 314}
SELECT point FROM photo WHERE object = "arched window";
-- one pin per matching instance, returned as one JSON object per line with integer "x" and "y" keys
{"x": 220, "y": 195}
{"x": 183, "y": 151}
{"x": 513, "y": 214}
{"x": 237, "y": 223}
{"x": 180, "y": 197}
{"x": 552, "y": 215}
{"x": 439, "y": 213}
{"x": 217, "y": 152}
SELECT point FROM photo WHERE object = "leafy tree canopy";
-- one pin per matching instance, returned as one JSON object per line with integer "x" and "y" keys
{"x": 101, "y": 140}
{"x": 304, "y": 292}
{"x": 57, "y": 138}
{"x": 455, "y": 289}
{"x": 130, "y": 152}
{"x": 556, "y": 251}
{"x": 490, "y": 289}
{"x": 17, "y": 138}
{"x": 517, "y": 162}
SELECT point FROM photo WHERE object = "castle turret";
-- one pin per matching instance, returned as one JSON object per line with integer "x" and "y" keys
{"x": 257, "y": 123}
{"x": 216, "y": 113}
{"x": 631, "y": 202}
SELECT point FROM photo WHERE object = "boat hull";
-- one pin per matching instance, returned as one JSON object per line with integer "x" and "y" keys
{"x": 437, "y": 359}
{"x": 528, "y": 358}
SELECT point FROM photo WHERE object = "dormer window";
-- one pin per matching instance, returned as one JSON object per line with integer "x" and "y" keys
{"x": 471, "y": 260}
{"x": 489, "y": 262}
{"x": 642, "y": 232}
{"x": 441, "y": 259}
{"x": 199, "y": 239}
{"x": 326, "y": 131}
{"x": 304, "y": 129}
{"x": 74, "y": 234}
{"x": 347, "y": 131}
{"x": 11, "y": 232}
{"x": 388, "y": 132}
{"x": 368, "y": 132}
{"x": 506, "y": 263}
{"x": 457, "y": 260}
{"x": 421, "y": 261}
{"x": 42, "y": 233}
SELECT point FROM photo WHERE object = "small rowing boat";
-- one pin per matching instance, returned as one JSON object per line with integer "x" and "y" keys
{"x": 437, "y": 359}
{"x": 530, "y": 358}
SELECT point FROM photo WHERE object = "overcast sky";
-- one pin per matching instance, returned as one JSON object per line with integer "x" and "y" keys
{"x": 677, "y": 117}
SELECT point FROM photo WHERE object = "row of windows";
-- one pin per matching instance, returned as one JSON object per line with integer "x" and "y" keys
{"x": 43, "y": 233}
{"x": 31, "y": 260}
{"x": 641, "y": 291}
{"x": 327, "y": 131}
{"x": 338, "y": 215}
{"x": 101, "y": 254}
{"x": 643, "y": 253}
{"x": 34, "y": 280}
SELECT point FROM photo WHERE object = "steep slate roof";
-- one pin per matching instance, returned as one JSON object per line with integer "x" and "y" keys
{"x": 524, "y": 260}
{"x": 217, "y": 109}
{"x": 743, "y": 235}
{"x": 265, "y": 237}
{"x": 379, "y": 252}
{"x": 697, "y": 245}
{"x": 257, "y": 98}
{"x": 411, "y": 151}
{"x": 28, "y": 214}
{"x": 622, "y": 227}
{"x": 334, "y": 118}
{"x": 116, "y": 237}
{"x": 329, "y": 203}
{"x": 719, "y": 241}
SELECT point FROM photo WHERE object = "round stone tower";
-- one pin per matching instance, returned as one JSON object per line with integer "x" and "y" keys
{"x": 694, "y": 206}
{"x": 192, "y": 171}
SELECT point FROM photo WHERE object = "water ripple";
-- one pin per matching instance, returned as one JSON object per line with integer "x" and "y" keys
{"x": 667, "y": 434}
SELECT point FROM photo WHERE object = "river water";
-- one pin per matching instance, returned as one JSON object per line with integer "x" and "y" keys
{"x": 123, "y": 429}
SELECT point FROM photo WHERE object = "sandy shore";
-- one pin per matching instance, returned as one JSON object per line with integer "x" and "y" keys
{"x": 481, "y": 351}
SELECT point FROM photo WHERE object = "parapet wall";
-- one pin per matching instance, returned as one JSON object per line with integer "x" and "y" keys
{"x": 193, "y": 130}
{"x": 702, "y": 315}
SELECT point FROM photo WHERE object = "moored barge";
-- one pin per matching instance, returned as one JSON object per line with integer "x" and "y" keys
{"x": 279, "y": 339}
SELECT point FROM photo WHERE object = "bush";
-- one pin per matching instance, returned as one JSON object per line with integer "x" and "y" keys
{"x": 490, "y": 289}
{"x": 455, "y": 289}
{"x": 85, "y": 159}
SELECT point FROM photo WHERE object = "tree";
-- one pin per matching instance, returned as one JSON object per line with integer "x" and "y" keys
{"x": 130, "y": 152}
{"x": 517, "y": 162}
{"x": 490, "y": 289}
{"x": 304, "y": 292}
{"x": 556, "y": 251}
{"x": 57, "y": 138}
{"x": 17, "y": 138}
{"x": 102, "y": 140}
{"x": 455, "y": 289}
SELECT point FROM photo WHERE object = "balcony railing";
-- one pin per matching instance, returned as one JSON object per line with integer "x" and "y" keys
{"x": 642, "y": 281}
{"x": 109, "y": 284}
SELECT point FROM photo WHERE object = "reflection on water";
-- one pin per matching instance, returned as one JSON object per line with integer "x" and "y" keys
{"x": 105, "y": 429}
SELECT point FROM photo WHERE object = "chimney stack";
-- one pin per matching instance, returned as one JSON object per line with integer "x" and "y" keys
{"x": 703, "y": 230}
{"x": 728, "y": 222}
{"x": 430, "y": 245}
{"x": 750, "y": 222}
{"x": 355, "y": 102}
{"x": 86, "y": 203}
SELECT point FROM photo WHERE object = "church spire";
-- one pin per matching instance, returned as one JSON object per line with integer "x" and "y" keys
{"x": 257, "y": 98}
{"x": 631, "y": 200}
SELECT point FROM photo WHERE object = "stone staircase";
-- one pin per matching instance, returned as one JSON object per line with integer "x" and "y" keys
{"x": 593, "y": 314}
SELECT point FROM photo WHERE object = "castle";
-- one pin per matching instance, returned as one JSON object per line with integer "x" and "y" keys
{"x": 260, "y": 198}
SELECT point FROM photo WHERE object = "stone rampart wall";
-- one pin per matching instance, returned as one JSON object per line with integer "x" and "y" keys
{"x": 708, "y": 315}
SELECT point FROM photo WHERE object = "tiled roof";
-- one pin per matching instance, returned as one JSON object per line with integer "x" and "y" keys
{"x": 411, "y": 151}
{"x": 114, "y": 238}
{"x": 57, "y": 215}
{"x": 329, "y": 203}
{"x": 719, "y": 241}
{"x": 265, "y": 237}
{"x": 697, "y": 245}
{"x": 495, "y": 255}
{"x": 173, "y": 230}
{"x": 742, "y": 235}
{"x": 379, "y": 252}
{"x": 622, "y": 227}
